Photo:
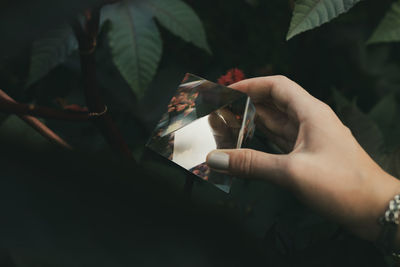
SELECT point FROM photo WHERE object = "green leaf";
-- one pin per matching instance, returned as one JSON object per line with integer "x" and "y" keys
{"x": 309, "y": 14}
{"x": 340, "y": 100}
{"x": 135, "y": 42}
{"x": 388, "y": 29}
{"x": 390, "y": 162}
{"x": 15, "y": 129}
{"x": 50, "y": 51}
{"x": 385, "y": 110}
{"x": 364, "y": 129}
{"x": 180, "y": 19}
{"x": 386, "y": 115}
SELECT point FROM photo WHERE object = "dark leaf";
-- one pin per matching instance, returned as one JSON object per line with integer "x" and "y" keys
{"x": 388, "y": 29}
{"x": 364, "y": 129}
{"x": 180, "y": 19}
{"x": 49, "y": 51}
{"x": 135, "y": 42}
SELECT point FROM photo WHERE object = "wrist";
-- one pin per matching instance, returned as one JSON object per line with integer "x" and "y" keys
{"x": 389, "y": 234}
{"x": 381, "y": 188}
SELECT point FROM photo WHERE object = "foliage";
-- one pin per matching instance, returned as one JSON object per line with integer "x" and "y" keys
{"x": 385, "y": 114}
{"x": 309, "y": 14}
{"x": 135, "y": 44}
{"x": 388, "y": 29}
{"x": 377, "y": 131}
{"x": 180, "y": 19}
{"x": 364, "y": 129}
{"x": 134, "y": 38}
{"x": 137, "y": 214}
{"x": 50, "y": 51}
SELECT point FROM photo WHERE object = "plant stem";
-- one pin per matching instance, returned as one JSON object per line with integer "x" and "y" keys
{"x": 8, "y": 105}
{"x": 45, "y": 131}
{"x": 87, "y": 39}
{"x": 35, "y": 123}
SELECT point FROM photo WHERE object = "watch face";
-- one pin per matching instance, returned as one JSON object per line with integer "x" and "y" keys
{"x": 203, "y": 116}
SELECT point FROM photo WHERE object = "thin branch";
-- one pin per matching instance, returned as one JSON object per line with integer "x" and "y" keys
{"x": 45, "y": 131}
{"x": 12, "y": 107}
{"x": 86, "y": 35}
{"x": 35, "y": 123}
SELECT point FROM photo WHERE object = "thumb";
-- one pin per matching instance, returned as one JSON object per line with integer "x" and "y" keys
{"x": 250, "y": 164}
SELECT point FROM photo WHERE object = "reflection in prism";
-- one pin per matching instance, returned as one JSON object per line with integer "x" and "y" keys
{"x": 200, "y": 117}
{"x": 192, "y": 143}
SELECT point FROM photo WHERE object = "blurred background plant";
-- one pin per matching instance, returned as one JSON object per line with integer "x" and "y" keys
{"x": 344, "y": 52}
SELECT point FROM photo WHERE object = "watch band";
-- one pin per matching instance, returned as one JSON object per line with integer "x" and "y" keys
{"x": 390, "y": 222}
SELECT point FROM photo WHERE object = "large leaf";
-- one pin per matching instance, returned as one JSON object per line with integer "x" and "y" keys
{"x": 309, "y": 14}
{"x": 388, "y": 29}
{"x": 180, "y": 19}
{"x": 49, "y": 51}
{"x": 135, "y": 42}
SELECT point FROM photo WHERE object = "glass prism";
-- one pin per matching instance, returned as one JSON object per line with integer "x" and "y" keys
{"x": 203, "y": 116}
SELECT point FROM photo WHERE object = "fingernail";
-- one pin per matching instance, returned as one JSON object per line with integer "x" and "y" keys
{"x": 218, "y": 160}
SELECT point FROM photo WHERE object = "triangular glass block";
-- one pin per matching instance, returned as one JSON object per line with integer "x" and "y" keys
{"x": 203, "y": 116}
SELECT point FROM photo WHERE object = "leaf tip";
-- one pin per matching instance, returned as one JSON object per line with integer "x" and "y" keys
{"x": 208, "y": 50}
{"x": 371, "y": 41}
{"x": 290, "y": 34}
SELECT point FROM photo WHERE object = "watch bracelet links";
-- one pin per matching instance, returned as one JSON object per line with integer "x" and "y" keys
{"x": 390, "y": 222}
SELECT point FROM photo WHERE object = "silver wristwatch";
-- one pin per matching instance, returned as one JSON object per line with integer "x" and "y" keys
{"x": 389, "y": 222}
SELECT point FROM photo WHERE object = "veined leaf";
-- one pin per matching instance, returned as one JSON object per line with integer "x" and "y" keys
{"x": 50, "y": 51}
{"x": 135, "y": 42}
{"x": 180, "y": 19}
{"x": 309, "y": 14}
{"x": 388, "y": 29}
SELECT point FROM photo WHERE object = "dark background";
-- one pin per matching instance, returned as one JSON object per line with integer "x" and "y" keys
{"x": 89, "y": 208}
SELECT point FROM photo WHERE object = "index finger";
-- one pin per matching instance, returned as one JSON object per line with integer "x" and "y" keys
{"x": 288, "y": 96}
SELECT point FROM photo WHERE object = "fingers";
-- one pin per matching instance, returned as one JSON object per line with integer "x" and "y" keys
{"x": 277, "y": 122}
{"x": 283, "y": 144}
{"x": 288, "y": 96}
{"x": 250, "y": 163}
{"x": 225, "y": 128}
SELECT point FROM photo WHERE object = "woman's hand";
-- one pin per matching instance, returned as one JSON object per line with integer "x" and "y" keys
{"x": 325, "y": 166}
